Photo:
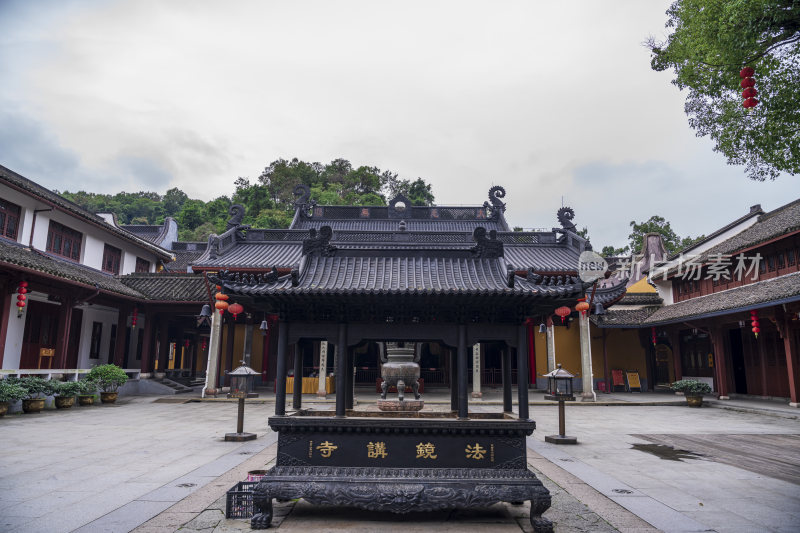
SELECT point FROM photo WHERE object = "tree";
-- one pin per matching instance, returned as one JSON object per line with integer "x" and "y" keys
{"x": 610, "y": 251}
{"x": 173, "y": 201}
{"x": 655, "y": 224}
{"x": 711, "y": 41}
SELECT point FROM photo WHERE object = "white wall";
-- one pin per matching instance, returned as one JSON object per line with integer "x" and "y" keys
{"x": 92, "y": 314}
{"x": 16, "y": 328}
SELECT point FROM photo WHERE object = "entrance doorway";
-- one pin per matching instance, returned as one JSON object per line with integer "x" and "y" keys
{"x": 737, "y": 358}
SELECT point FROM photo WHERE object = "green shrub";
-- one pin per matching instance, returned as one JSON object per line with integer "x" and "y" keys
{"x": 87, "y": 387}
{"x": 36, "y": 387}
{"x": 108, "y": 377}
{"x": 11, "y": 391}
{"x": 68, "y": 388}
{"x": 691, "y": 386}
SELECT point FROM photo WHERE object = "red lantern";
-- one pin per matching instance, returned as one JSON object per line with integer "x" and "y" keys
{"x": 747, "y": 72}
{"x": 747, "y": 82}
{"x": 750, "y": 102}
{"x": 563, "y": 312}
{"x": 749, "y": 93}
{"x": 754, "y": 322}
{"x": 235, "y": 309}
{"x": 222, "y": 303}
{"x": 582, "y": 307}
{"x": 134, "y": 317}
{"x": 186, "y": 343}
{"x": 205, "y": 344}
{"x": 21, "y": 290}
{"x": 653, "y": 335}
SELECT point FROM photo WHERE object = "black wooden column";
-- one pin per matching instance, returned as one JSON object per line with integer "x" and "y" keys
{"x": 463, "y": 407}
{"x": 280, "y": 378}
{"x": 348, "y": 399}
{"x": 297, "y": 393}
{"x": 453, "y": 375}
{"x": 341, "y": 369}
{"x": 522, "y": 371}
{"x": 506, "y": 361}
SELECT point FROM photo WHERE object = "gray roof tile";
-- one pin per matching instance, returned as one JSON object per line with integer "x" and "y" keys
{"x": 168, "y": 287}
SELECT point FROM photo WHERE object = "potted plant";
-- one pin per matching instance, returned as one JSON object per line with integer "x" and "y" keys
{"x": 86, "y": 391}
{"x": 108, "y": 378}
{"x": 65, "y": 393}
{"x": 10, "y": 391}
{"x": 692, "y": 390}
{"x": 37, "y": 390}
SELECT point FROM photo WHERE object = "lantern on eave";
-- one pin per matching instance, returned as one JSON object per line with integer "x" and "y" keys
{"x": 748, "y": 84}
{"x": 563, "y": 312}
{"x": 582, "y": 306}
{"x": 22, "y": 290}
{"x": 235, "y": 309}
{"x": 205, "y": 344}
{"x": 222, "y": 302}
{"x": 754, "y": 324}
{"x": 653, "y": 335}
{"x": 134, "y": 317}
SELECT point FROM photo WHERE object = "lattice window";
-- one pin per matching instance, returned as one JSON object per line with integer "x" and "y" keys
{"x": 112, "y": 257}
{"x": 64, "y": 241}
{"x": 142, "y": 265}
{"x": 518, "y": 238}
{"x": 458, "y": 213}
{"x": 9, "y": 219}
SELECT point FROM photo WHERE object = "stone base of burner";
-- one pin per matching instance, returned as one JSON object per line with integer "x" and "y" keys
{"x": 400, "y": 405}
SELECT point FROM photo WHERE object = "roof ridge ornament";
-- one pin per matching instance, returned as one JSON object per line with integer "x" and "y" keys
{"x": 565, "y": 216}
{"x": 497, "y": 207}
{"x": 303, "y": 203}
{"x": 319, "y": 243}
{"x": 237, "y": 214}
{"x": 398, "y": 211}
{"x": 490, "y": 248}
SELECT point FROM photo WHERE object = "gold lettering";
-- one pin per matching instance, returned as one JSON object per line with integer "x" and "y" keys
{"x": 426, "y": 451}
{"x": 376, "y": 450}
{"x": 476, "y": 452}
{"x": 326, "y": 449}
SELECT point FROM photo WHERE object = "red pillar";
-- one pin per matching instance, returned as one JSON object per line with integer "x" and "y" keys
{"x": 5, "y": 316}
{"x": 64, "y": 323}
{"x": 119, "y": 345}
{"x": 147, "y": 344}
{"x": 792, "y": 360}
{"x": 720, "y": 362}
{"x": 163, "y": 343}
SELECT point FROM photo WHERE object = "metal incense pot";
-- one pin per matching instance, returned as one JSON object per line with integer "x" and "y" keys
{"x": 400, "y": 369}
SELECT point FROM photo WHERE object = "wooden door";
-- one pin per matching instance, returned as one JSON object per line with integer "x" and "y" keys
{"x": 41, "y": 331}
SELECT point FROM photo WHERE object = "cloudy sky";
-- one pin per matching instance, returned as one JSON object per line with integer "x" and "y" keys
{"x": 551, "y": 100}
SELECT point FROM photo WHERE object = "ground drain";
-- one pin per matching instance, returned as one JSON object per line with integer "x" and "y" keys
{"x": 186, "y": 485}
{"x": 622, "y": 491}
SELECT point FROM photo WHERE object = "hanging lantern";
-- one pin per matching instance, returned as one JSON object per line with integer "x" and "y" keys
{"x": 22, "y": 289}
{"x": 582, "y": 307}
{"x": 653, "y": 335}
{"x": 563, "y": 312}
{"x": 754, "y": 324}
{"x": 222, "y": 303}
{"x": 186, "y": 343}
{"x": 204, "y": 345}
{"x": 748, "y": 84}
{"x": 235, "y": 309}
{"x": 134, "y": 317}
{"x": 747, "y": 72}
{"x": 750, "y": 92}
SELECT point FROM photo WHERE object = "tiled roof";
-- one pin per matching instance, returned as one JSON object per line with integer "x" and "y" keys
{"x": 168, "y": 287}
{"x": 256, "y": 255}
{"x": 183, "y": 260}
{"x": 14, "y": 254}
{"x": 543, "y": 259}
{"x": 767, "y": 292}
{"x": 785, "y": 219}
{"x": 35, "y": 189}
{"x": 465, "y": 226}
{"x": 154, "y": 234}
{"x": 618, "y": 318}
{"x": 404, "y": 275}
{"x": 641, "y": 298}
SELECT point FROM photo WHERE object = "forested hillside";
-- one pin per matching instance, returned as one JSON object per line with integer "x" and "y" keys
{"x": 268, "y": 200}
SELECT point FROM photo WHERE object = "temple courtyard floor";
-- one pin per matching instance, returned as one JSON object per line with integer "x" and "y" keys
{"x": 644, "y": 462}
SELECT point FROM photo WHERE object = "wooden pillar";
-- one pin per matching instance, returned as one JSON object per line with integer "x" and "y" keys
{"x": 792, "y": 357}
{"x": 297, "y": 391}
{"x": 280, "y": 378}
{"x": 677, "y": 362}
{"x": 452, "y": 375}
{"x": 522, "y": 371}
{"x": 231, "y": 337}
{"x": 606, "y": 366}
{"x": 64, "y": 326}
{"x": 147, "y": 343}
{"x": 350, "y": 382}
{"x": 5, "y": 316}
{"x": 214, "y": 350}
{"x": 463, "y": 406}
{"x": 163, "y": 343}
{"x": 506, "y": 362}
{"x": 119, "y": 344}
{"x": 720, "y": 362}
{"x": 341, "y": 369}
